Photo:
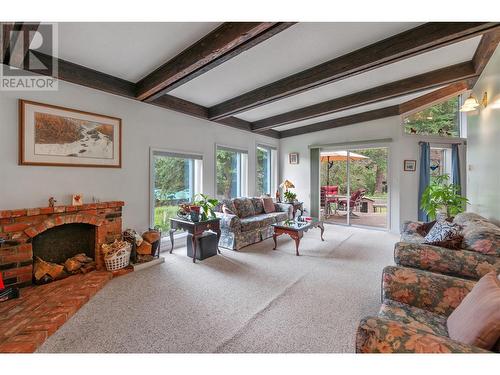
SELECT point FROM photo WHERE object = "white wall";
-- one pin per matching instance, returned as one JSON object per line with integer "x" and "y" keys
{"x": 483, "y": 145}
{"x": 143, "y": 126}
{"x": 403, "y": 185}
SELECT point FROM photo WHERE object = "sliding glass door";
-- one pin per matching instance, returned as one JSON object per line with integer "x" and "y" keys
{"x": 354, "y": 188}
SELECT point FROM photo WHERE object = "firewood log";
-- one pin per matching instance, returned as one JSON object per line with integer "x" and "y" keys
{"x": 144, "y": 249}
{"x": 46, "y": 268}
{"x": 82, "y": 258}
{"x": 72, "y": 265}
{"x": 151, "y": 236}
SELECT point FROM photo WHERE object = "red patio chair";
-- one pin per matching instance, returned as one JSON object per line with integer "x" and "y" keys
{"x": 354, "y": 202}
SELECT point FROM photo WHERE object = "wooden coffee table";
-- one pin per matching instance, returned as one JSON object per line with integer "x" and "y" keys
{"x": 296, "y": 230}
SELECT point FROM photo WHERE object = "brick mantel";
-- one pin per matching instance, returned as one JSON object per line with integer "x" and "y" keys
{"x": 21, "y": 225}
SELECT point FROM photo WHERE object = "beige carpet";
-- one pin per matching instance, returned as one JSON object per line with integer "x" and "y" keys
{"x": 254, "y": 300}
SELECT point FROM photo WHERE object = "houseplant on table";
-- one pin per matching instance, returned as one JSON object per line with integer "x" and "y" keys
{"x": 441, "y": 197}
{"x": 207, "y": 205}
{"x": 289, "y": 196}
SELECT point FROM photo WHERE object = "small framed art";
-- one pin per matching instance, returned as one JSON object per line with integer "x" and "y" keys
{"x": 293, "y": 158}
{"x": 410, "y": 165}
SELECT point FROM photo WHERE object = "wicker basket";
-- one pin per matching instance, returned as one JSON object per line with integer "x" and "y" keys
{"x": 118, "y": 260}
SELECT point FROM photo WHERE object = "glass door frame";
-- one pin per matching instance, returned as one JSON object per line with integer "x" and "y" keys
{"x": 352, "y": 147}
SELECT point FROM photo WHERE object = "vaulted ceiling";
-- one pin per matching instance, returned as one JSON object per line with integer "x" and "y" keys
{"x": 279, "y": 79}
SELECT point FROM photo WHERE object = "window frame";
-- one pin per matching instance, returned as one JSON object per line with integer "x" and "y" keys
{"x": 462, "y": 121}
{"x": 273, "y": 167}
{"x": 197, "y": 185}
{"x": 243, "y": 170}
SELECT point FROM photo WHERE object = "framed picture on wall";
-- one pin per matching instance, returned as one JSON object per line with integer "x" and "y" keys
{"x": 58, "y": 136}
{"x": 410, "y": 165}
{"x": 293, "y": 158}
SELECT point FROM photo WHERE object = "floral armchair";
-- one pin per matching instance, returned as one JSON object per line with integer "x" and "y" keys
{"x": 413, "y": 315}
{"x": 478, "y": 255}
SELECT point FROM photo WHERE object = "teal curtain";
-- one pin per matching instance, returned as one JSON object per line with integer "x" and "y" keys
{"x": 314, "y": 205}
{"x": 425, "y": 176}
{"x": 455, "y": 167}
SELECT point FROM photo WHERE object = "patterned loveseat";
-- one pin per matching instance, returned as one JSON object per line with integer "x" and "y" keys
{"x": 412, "y": 319}
{"x": 249, "y": 224}
{"x": 479, "y": 252}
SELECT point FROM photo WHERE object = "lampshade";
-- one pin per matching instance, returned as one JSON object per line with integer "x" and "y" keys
{"x": 470, "y": 104}
{"x": 287, "y": 184}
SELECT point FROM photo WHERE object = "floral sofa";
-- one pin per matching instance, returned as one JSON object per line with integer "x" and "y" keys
{"x": 249, "y": 224}
{"x": 412, "y": 319}
{"x": 478, "y": 254}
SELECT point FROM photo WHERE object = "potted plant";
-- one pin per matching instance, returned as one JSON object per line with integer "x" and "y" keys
{"x": 442, "y": 198}
{"x": 289, "y": 196}
{"x": 207, "y": 206}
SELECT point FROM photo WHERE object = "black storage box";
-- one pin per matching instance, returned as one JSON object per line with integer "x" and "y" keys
{"x": 206, "y": 245}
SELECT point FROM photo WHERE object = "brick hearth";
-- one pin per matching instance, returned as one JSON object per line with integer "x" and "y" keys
{"x": 26, "y": 322}
{"x": 16, "y": 260}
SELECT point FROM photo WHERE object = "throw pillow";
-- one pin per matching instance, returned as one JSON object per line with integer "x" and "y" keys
{"x": 476, "y": 321}
{"x": 454, "y": 243}
{"x": 424, "y": 228}
{"x": 442, "y": 231}
{"x": 268, "y": 205}
{"x": 244, "y": 207}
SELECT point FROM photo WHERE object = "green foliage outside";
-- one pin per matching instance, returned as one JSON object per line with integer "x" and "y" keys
{"x": 163, "y": 215}
{"x": 225, "y": 171}
{"x": 171, "y": 188}
{"x": 440, "y": 119}
{"x": 171, "y": 177}
{"x": 370, "y": 174}
{"x": 262, "y": 157}
{"x": 440, "y": 195}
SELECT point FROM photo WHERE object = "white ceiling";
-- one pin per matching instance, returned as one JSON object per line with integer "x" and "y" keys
{"x": 299, "y": 47}
{"x": 129, "y": 50}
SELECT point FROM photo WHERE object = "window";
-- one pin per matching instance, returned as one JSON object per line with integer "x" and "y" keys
{"x": 441, "y": 119}
{"x": 266, "y": 170}
{"x": 176, "y": 178}
{"x": 440, "y": 162}
{"x": 232, "y": 171}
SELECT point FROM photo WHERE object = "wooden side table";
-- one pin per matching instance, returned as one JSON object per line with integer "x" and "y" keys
{"x": 298, "y": 206}
{"x": 195, "y": 229}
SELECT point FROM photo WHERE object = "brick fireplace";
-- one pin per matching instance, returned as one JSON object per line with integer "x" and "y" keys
{"x": 20, "y": 227}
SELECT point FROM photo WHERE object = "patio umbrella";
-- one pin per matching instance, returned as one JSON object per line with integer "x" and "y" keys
{"x": 338, "y": 156}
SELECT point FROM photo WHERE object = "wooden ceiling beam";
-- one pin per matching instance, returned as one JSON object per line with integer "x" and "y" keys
{"x": 343, "y": 121}
{"x": 227, "y": 41}
{"x": 409, "y": 43}
{"x": 391, "y": 90}
{"x": 433, "y": 97}
{"x": 485, "y": 50}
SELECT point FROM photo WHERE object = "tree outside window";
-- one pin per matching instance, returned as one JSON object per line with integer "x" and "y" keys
{"x": 441, "y": 119}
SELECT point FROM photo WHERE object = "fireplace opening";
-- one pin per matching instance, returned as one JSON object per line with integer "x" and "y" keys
{"x": 57, "y": 244}
{"x": 63, "y": 251}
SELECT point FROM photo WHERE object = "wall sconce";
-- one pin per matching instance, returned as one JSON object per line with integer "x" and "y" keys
{"x": 471, "y": 104}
